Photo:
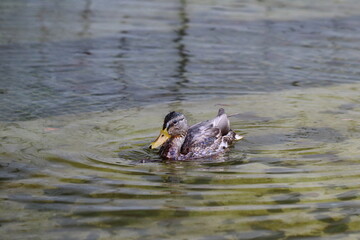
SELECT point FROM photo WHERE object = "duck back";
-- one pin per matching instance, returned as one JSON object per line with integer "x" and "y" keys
{"x": 206, "y": 135}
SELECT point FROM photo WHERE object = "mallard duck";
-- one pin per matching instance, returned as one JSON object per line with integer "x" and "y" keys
{"x": 178, "y": 141}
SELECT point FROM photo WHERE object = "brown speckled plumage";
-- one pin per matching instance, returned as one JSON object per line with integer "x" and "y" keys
{"x": 203, "y": 139}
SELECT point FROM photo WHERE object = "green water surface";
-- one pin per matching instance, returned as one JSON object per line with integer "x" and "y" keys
{"x": 91, "y": 176}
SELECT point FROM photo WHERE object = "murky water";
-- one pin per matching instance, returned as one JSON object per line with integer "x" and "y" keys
{"x": 85, "y": 86}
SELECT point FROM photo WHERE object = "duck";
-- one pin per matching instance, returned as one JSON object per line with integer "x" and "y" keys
{"x": 178, "y": 141}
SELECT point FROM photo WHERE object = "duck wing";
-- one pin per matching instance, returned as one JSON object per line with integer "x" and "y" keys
{"x": 206, "y": 134}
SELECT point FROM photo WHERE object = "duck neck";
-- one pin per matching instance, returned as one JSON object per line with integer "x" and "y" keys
{"x": 172, "y": 148}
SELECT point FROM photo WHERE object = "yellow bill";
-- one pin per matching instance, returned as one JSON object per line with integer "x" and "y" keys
{"x": 164, "y": 135}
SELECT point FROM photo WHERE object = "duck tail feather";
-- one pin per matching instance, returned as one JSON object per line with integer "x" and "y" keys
{"x": 221, "y": 111}
{"x": 222, "y": 122}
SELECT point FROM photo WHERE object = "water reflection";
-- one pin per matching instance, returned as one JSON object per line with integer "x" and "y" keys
{"x": 179, "y": 40}
{"x": 44, "y": 29}
{"x": 86, "y": 18}
{"x": 116, "y": 56}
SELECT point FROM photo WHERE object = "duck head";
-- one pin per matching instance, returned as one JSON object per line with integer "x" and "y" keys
{"x": 175, "y": 125}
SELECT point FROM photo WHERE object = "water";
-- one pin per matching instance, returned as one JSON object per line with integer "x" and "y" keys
{"x": 85, "y": 86}
{"x": 294, "y": 175}
{"x": 78, "y": 56}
